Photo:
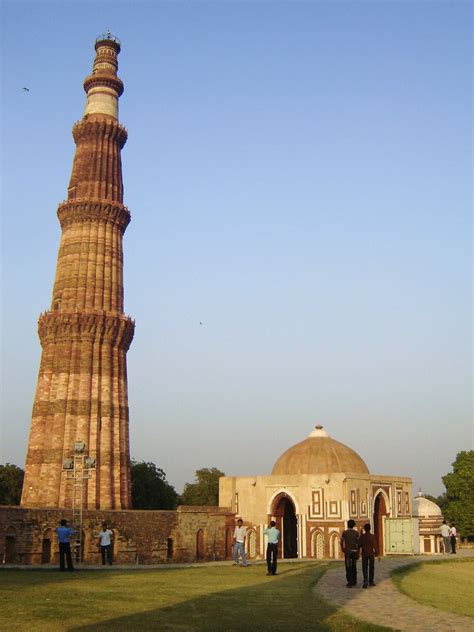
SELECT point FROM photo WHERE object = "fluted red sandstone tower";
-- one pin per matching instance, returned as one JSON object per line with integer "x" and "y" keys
{"x": 81, "y": 394}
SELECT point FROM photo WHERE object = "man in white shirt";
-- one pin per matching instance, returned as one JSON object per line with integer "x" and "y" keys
{"x": 105, "y": 540}
{"x": 446, "y": 533}
{"x": 240, "y": 533}
{"x": 452, "y": 534}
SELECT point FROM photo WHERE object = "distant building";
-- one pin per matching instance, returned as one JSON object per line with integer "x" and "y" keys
{"x": 314, "y": 488}
{"x": 429, "y": 518}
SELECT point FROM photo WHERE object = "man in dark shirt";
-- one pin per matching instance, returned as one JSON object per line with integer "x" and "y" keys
{"x": 369, "y": 548}
{"x": 350, "y": 547}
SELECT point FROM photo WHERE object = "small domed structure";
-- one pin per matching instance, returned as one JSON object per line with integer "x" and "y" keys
{"x": 319, "y": 454}
{"x": 429, "y": 518}
{"x": 423, "y": 508}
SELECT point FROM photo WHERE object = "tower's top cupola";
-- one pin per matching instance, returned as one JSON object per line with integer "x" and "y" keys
{"x": 103, "y": 86}
{"x": 108, "y": 37}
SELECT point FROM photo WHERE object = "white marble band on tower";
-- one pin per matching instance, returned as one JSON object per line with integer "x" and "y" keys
{"x": 103, "y": 87}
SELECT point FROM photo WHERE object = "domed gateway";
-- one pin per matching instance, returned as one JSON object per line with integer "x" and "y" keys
{"x": 314, "y": 488}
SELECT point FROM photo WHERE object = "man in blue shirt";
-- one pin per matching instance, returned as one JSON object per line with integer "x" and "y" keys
{"x": 273, "y": 535}
{"x": 64, "y": 534}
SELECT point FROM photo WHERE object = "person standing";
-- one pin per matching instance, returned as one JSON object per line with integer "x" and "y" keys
{"x": 105, "y": 541}
{"x": 446, "y": 534}
{"x": 452, "y": 534}
{"x": 369, "y": 547}
{"x": 273, "y": 535}
{"x": 240, "y": 534}
{"x": 64, "y": 534}
{"x": 350, "y": 548}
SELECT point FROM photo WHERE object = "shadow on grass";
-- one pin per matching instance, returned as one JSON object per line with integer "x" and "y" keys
{"x": 285, "y": 602}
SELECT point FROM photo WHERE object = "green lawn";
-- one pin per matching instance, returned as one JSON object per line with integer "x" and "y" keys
{"x": 444, "y": 585}
{"x": 210, "y": 598}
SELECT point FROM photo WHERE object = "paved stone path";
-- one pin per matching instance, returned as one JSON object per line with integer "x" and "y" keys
{"x": 383, "y": 604}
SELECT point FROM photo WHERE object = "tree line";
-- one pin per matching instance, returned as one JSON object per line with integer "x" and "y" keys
{"x": 151, "y": 490}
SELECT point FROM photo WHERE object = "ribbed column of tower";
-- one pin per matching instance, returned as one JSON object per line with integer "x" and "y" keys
{"x": 81, "y": 393}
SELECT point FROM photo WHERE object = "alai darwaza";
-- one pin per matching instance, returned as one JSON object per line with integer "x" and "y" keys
{"x": 315, "y": 487}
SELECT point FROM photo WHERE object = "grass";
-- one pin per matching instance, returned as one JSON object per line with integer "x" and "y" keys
{"x": 211, "y": 598}
{"x": 446, "y": 585}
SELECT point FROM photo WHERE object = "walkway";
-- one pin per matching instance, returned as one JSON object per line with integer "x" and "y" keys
{"x": 385, "y": 605}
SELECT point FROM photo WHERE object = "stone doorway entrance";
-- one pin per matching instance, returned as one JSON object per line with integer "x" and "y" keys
{"x": 10, "y": 549}
{"x": 200, "y": 550}
{"x": 285, "y": 517}
{"x": 380, "y": 510}
{"x": 46, "y": 551}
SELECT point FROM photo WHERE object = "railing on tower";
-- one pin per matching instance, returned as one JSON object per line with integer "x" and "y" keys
{"x": 108, "y": 36}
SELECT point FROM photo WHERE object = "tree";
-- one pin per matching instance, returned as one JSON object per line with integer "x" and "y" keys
{"x": 205, "y": 491}
{"x": 11, "y": 483}
{"x": 150, "y": 489}
{"x": 460, "y": 494}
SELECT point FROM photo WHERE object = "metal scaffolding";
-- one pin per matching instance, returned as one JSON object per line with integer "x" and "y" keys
{"x": 79, "y": 467}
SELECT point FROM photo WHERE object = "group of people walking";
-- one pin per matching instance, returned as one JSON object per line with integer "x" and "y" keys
{"x": 449, "y": 534}
{"x": 353, "y": 544}
{"x": 65, "y": 534}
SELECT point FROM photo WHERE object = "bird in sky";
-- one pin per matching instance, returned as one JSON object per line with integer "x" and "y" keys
{"x": 26, "y": 89}
{"x": 200, "y": 322}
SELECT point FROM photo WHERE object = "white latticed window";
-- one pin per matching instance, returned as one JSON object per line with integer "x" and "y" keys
{"x": 252, "y": 538}
{"x": 320, "y": 546}
{"x": 334, "y": 546}
{"x": 317, "y": 545}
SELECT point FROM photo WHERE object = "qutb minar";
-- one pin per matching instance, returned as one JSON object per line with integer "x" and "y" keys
{"x": 81, "y": 395}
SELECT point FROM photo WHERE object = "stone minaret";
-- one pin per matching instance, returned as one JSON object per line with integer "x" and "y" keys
{"x": 81, "y": 395}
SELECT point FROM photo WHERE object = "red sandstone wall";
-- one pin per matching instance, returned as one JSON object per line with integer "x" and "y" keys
{"x": 196, "y": 533}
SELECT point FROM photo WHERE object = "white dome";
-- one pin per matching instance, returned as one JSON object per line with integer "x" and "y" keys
{"x": 422, "y": 507}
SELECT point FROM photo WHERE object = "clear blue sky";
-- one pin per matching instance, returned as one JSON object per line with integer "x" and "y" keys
{"x": 299, "y": 178}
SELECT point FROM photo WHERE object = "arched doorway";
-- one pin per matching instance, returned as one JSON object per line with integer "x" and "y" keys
{"x": 317, "y": 545}
{"x": 334, "y": 546}
{"x": 285, "y": 515}
{"x": 252, "y": 544}
{"x": 200, "y": 552}
{"x": 380, "y": 510}
{"x": 9, "y": 555}
{"x": 46, "y": 547}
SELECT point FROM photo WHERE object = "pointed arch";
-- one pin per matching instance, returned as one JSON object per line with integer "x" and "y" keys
{"x": 251, "y": 543}
{"x": 317, "y": 544}
{"x": 381, "y": 509}
{"x": 46, "y": 546}
{"x": 334, "y": 545}
{"x": 200, "y": 550}
{"x": 283, "y": 509}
